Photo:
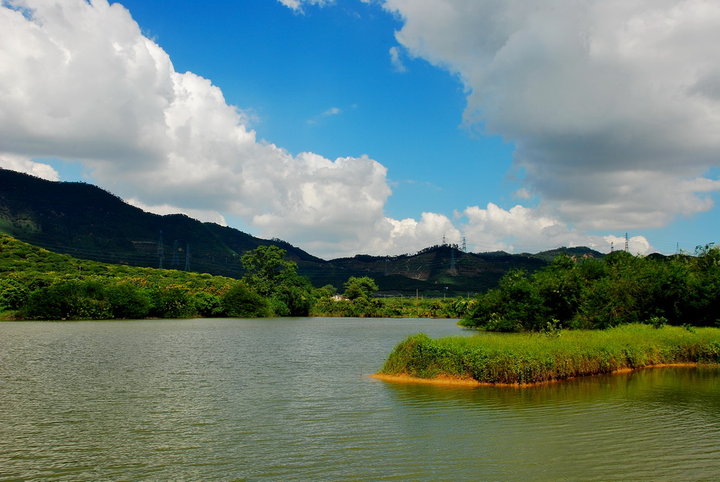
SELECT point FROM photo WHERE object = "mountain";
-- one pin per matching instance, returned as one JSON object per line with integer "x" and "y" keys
{"x": 87, "y": 222}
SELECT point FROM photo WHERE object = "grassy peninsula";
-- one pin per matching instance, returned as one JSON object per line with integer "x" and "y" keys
{"x": 530, "y": 358}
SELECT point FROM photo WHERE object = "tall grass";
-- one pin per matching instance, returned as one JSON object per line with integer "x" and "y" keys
{"x": 534, "y": 358}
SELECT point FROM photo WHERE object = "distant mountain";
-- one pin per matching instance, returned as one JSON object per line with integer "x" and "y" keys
{"x": 577, "y": 252}
{"x": 87, "y": 222}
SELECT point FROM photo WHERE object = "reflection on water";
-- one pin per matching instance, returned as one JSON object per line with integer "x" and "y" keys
{"x": 655, "y": 424}
{"x": 283, "y": 399}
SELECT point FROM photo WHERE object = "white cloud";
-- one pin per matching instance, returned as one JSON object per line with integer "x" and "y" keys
{"x": 79, "y": 81}
{"x": 199, "y": 214}
{"x": 396, "y": 59}
{"x": 613, "y": 106}
{"x": 522, "y": 229}
{"x": 297, "y": 5}
{"x": 331, "y": 112}
{"x": 26, "y": 165}
{"x": 635, "y": 244}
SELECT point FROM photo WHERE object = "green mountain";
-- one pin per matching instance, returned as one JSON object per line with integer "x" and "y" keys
{"x": 87, "y": 222}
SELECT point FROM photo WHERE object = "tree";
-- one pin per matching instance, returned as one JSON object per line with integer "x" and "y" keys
{"x": 266, "y": 270}
{"x": 360, "y": 288}
{"x": 242, "y": 302}
{"x": 272, "y": 276}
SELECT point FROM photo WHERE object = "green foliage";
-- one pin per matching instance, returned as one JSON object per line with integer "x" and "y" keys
{"x": 69, "y": 300}
{"x": 40, "y": 284}
{"x": 397, "y": 307}
{"x": 13, "y": 294}
{"x": 363, "y": 287}
{"x": 532, "y": 358}
{"x": 266, "y": 269}
{"x": 174, "y": 301}
{"x": 208, "y": 304}
{"x": 127, "y": 300}
{"x": 242, "y": 302}
{"x": 272, "y": 276}
{"x": 592, "y": 293}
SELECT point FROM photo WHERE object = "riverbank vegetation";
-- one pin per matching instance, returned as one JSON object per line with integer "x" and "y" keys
{"x": 588, "y": 293}
{"x": 38, "y": 284}
{"x": 528, "y": 358}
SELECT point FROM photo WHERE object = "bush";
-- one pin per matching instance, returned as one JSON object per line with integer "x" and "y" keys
{"x": 242, "y": 302}
{"x": 172, "y": 302}
{"x": 128, "y": 300}
{"x": 69, "y": 300}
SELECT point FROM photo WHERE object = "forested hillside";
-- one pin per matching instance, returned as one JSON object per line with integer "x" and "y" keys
{"x": 89, "y": 223}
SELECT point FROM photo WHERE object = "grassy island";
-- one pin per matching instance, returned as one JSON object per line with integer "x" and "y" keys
{"x": 531, "y": 358}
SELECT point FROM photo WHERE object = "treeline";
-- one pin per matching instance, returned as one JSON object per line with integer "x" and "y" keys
{"x": 42, "y": 285}
{"x": 39, "y": 284}
{"x": 591, "y": 293}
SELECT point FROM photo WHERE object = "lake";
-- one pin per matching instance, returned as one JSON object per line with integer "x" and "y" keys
{"x": 285, "y": 399}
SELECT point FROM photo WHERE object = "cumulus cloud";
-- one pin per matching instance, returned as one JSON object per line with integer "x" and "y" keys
{"x": 531, "y": 230}
{"x": 163, "y": 209}
{"x": 27, "y": 165}
{"x": 79, "y": 81}
{"x": 613, "y": 106}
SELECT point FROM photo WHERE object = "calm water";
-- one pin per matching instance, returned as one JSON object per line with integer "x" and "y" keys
{"x": 290, "y": 399}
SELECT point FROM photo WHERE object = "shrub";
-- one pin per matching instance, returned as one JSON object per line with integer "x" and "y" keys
{"x": 242, "y": 302}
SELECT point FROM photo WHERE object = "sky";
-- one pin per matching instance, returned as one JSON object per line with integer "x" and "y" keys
{"x": 379, "y": 126}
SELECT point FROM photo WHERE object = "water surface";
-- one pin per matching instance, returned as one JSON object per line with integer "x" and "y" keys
{"x": 290, "y": 399}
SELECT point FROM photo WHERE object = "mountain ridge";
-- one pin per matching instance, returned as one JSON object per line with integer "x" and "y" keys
{"x": 89, "y": 222}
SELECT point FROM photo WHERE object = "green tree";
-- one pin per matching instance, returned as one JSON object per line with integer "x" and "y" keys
{"x": 266, "y": 269}
{"x": 242, "y": 302}
{"x": 360, "y": 288}
{"x": 128, "y": 300}
{"x": 269, "y": 274}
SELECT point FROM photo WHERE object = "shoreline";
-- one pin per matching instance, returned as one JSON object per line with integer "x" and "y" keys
{"x": 471, "y": 382}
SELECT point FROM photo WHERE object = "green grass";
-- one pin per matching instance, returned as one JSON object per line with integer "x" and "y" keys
{"x": 535, "y": 358}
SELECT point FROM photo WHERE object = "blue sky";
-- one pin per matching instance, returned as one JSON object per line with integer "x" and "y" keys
{"x": 291, "y": 69}
{"x": 423, "y": 119}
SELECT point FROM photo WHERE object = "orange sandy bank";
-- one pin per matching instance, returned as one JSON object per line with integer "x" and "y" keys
{"x": 471, "y": 382}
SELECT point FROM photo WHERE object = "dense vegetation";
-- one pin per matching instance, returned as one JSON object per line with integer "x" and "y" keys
{"x": 534, "y": 358}
{"x": 591, "y": 293}
{"x": 87, "y": 222}
{"x": 39, "y": 284}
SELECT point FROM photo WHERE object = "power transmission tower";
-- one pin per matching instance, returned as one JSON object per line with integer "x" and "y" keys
{"x": 160, "y": 251}
{"x": 627, "y": 243}
{"x": 464, "y": 245}
{"x": 187, "y": 257}
{"x": 175, "y": 261}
